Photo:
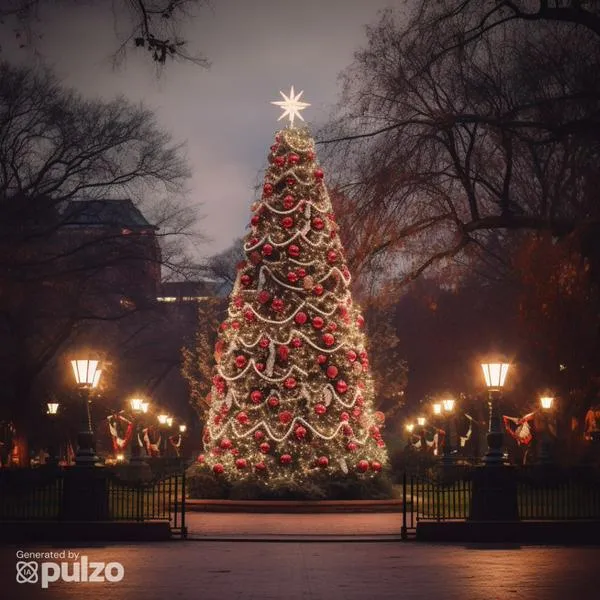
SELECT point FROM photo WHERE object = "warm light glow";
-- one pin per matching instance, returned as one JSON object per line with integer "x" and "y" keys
{"x": 162, "y": 419}
{"x": 120, "y": 457}
{"x": 448, "y": 404}
{"x": 182, "y": 428}
{"x": 84, "y": 371}
{"x": 145, "y": 406}
{"x": 96, "y": 379}
{"x": 137, "y": 404}
{"x": 52, "y": 408}
{"x": 437, "y": 409}
{"x": 291, "y": 106}
{"x": 169, "y": 421}
{"x": 546, "y": 402}
{"x": 409, "y": 427}
{"x": 421, "y": 421}
{"x": 495, "y": 374}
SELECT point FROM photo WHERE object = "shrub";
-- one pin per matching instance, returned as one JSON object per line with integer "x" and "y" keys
{"x": 201, "y": 483}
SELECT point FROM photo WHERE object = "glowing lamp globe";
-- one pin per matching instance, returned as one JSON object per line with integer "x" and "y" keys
{"x": 136, "y": 404}
{"x": 52, "y": 408}
{"x": 182, "y": 428}
{"x": 120, "y": 457}
{"x": 421, "y": 421}
{"x": 495, "y": 374}
{"x": 96, "y": 379}
{"x": 84, "y": 371}
{"x": 448, "y": 404}
{"x": 437, "y": 409}
{"x": 545, "y": 401}
{"x": 145, "y": 406}
{"x": 409, "y": 427}
{"x": 169, "y": 421}
{"x": 162, "y": 419}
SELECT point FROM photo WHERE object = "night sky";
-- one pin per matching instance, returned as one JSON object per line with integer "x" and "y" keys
{"x": 256, "y": 47}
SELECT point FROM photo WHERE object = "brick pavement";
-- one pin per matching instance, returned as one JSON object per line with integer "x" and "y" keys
{"x": 331, "y": 571}
{"x": 234, "y": 525}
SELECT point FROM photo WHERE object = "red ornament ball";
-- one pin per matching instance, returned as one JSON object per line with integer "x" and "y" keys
{"x": 258, "y": 435}
{"x": 279, "y": 161}
{"x": 277, "y": 304}
{"x": 254, "y": 220}
{"x": 320, "y": 409}
{"x": 318, "y": 173}
{"x": 287, "y": 222}
{"x": 296, "y": 342}
{"x": 267, "y": 250}
{"x": 381, "y": 443}
{"x": 291, "y": 182}
{"x": 201, "y": 458}
{"x": 265, "y": 448}
{"x": 321, "y": 359}
{"x": 241, "y": 463}
{"x": 351, "y": 446}
{"x": 285, "y": 417}
{"x": 256, "y": 396}
{"x": 240, "y": 361}
{"x": 288, "y": 202}
{"x": 301, "y": 272}
{"x": 362, "y": 466}
{"x": 285, "y": 459}
{"x": 344, "y": 416}
{"x": 359, "y": 401}
{"x": 255, "y": 257}
{"x": 264, "y": 296}
{"x": 318, "y": 322}
{"x": 283, "y": 352}
{"x": 292, "y": 277}
{"x": 242, "y": 418}
{"x": 267, "y": 189}
{"x": 347, "y": 431}
{"x": 318, "y": 223}
{"x": 300, "y": 432}
{"x": 360, "y": 321}
{"x": 260, "y": 466}
{"x": 226, "y": 444}
{"x": 245, "y": 280}
{"x": 356, "y": 412}
{"x": 218, "y": 469}
{"x": 323, "y": 461}
{"x": 264, "y": 342}
{"x": 351, "y": 355}
{"x": 341, "y": 386}
{"x": 332, "y": 371}
{"x": 318, "y": 290}
{"x": 293, "y": 158}
{"x": 301, "y": 318}
{"x": 328, "y": 339}
{"x": 249, "y": 315}
{"x": 290, "y": 383}
{"x": 293, "y": 250}
{"x": 376, "y": 466}
{"x": 273, "y": 401}
{"x": 235, "y": 325}
{"x": 332, "y": 256}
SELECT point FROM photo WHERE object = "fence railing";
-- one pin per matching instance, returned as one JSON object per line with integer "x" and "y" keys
{"x": 542, "y": 494}
{"x": 41, "y": 495}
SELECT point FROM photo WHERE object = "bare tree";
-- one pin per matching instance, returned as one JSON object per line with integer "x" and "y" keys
{"x": 449, "y": 156}
{"x": 69, "y": 274}
{"x": 152, "y": 25}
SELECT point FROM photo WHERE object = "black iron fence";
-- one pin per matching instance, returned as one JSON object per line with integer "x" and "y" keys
{"x": 542, "y": 494}
{"x": 53, "y": 494}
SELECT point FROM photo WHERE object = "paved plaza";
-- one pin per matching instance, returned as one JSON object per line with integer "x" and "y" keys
{"x": 213, "y": 570}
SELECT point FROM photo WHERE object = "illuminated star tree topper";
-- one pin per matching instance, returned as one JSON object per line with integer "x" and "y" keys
{"x": 291, "y": 105}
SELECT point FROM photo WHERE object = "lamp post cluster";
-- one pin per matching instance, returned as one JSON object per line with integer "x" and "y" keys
{"x": 87, "y": 373}
{"x": 495, "y": 374}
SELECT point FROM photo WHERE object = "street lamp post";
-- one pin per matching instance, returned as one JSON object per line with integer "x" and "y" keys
{"x": 163, "y": 422}
{"x": 495, "y": 376}
{"x": 139, "y": 407}
{"x": 448, "y": 405}
{"x": 87, "y": 376}
{"x": 52, "y": 411}
{"x": 421, "y": 422}
{"x": 494, "y": 485}
{"x": 546, "y": 403}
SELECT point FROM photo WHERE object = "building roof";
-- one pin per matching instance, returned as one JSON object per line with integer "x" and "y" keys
{"x": 114, "y": 213}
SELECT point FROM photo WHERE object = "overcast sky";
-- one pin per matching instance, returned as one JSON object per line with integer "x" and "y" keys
{"x": 257, "y": 47}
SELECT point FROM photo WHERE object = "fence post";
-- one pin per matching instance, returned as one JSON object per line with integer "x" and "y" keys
{"x": 183, "y": 527}
{"x": 403, "y": 529}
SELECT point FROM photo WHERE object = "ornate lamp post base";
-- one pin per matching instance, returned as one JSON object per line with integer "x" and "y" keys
{"x": 494, "y": 494}
{"x": 86, "y": 454}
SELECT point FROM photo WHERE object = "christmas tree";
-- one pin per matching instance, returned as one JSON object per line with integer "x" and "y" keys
{"x": 292, "y": 395}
